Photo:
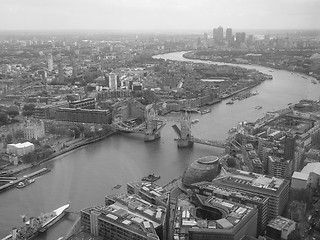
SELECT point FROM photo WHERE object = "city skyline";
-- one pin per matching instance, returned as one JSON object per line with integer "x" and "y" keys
{"x": 147, "y": 15}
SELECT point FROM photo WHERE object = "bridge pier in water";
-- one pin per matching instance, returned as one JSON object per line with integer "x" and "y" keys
{"x": 185, "y": 138}
{"x": 153, "y": 130}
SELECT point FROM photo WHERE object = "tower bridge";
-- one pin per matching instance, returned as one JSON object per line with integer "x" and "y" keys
{"x": 131, "y": 116}
{"x": 186, "y": 139}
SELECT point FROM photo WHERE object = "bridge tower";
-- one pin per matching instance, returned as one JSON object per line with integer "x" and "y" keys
{"x": 184, "y": 135}
{"x": 153, "y": 124}
{"x": 153, "y": 129}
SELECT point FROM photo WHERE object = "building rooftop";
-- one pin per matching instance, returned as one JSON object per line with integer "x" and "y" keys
{"x": 312, "y": 167}
{"x": 150, "y": 188}
{"x": 21, "y": 145}
{"x": 124, "y": 218}
{"x": 138, "y": 206}
{"x": 300, "y": 175}
{"x": 210, "y": 214}
{"x": 203, "y": 169}
{"x": 281, "y": 223}
{"x": 254, "y": 180}
{"x": 226, "y": 191}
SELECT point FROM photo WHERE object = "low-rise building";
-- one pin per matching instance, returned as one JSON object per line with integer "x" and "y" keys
{"x": 279, "y": 228}
{"x": 124, "y": 217}
{"x": 20, "y": 149}
{"x": 150, "y": 192}
{"x": 33, "y": 130}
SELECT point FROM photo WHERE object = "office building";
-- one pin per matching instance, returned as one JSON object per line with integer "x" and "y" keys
{"x": 300, "y": 180}
{"x": 150, "y": 192}
{"x": 113, "y": 81}
{"x": 229, "y": 36}
{"x": 49, "y": 111}
{"x": 83, "y": 115}
{"x": 88, "y": 103}
{"x": 240, "y": 38}
{"x": 235, "y": 195}
{"x": 218, "y": 35}
{"x": 276, "y": 189}
{"x": 213, "y": 218}
{"x": 279, "y": 167}
{"x": 50, "y": 62}
{"x": 289, "y": 146}
{"x": 203, "y": 169}
{"x": 60, "y": 73}
{"x": 124, "y": 217}
{"x": 280, "y": 228}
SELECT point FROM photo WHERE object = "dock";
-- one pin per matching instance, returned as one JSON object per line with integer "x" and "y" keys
{"x": 15, "y": 182}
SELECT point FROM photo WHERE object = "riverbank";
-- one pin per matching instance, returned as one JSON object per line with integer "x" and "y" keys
{"x": 20, "y": 170}
{"x": 190, "y": 55}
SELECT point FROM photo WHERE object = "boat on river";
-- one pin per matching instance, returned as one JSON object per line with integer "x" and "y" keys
{"x": 230, "y": 102}
{"x": 151, "y": 178}
{"x": 35, "y": 225}
{"x": 25, "y": 183}
{"x": 205, "y": 111}
{"x": 194, "y": 121}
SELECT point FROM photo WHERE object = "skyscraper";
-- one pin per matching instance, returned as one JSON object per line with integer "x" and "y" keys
{"x": 113, "y": 81}
{"x": 240, "y": 38}
{"x": 50, "y": 62}
{"x": 218, "y": 35}
{"x": 229, "y": 36}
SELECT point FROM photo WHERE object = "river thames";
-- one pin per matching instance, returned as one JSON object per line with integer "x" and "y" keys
{"x": 86, "y": 175}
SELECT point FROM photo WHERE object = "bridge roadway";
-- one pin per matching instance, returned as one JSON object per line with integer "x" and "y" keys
{"x": 212, "y": 143}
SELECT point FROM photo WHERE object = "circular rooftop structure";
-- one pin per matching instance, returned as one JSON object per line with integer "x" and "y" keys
{"x": 203, "y": 169}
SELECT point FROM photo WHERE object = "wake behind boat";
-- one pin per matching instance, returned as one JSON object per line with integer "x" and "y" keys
{"x": 35, "y": 225}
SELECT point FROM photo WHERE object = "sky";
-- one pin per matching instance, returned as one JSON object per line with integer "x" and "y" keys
{"x": 126, "y": 15}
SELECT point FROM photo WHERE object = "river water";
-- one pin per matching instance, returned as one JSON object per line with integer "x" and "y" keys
{"x": 86, "y": 175}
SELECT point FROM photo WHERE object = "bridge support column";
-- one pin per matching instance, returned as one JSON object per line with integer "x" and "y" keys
{"x": 184, "y": 143}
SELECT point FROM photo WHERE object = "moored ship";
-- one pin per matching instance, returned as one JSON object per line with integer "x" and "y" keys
{"x": 25, "y": 183}
{"x": 39, "y": 224}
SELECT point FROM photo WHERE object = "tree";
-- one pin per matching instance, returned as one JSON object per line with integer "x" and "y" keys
{"x": 3, "y": 118}
{"x": 294, "y": 235}
{"x": 9, "y": 138}
{"x": 231, "y": 162}
{"x": 28, "y": 109}
{"x": 13, "y": 111}
{"x": 19, "y": 134}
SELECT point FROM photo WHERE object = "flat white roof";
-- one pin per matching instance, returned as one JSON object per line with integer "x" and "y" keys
{"x": 21, "y": 145}
{"x": 312, "y": 167}
{"x": 300, "y": 175}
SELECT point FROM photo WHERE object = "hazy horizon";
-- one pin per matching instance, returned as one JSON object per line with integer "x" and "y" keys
{"x": 158, "y": 15}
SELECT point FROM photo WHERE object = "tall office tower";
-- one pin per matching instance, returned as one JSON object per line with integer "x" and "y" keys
{"x": 50, "y": 62}
{"x": 60, "y": 72}
{"x": 205, "y": 36}
{"x": 279, "y": 167}
{"x": 240, "y": 38}
{"x": 113, "y": 83}
{"x": 218, "y": 35}
{"x": 289, "y": 146}
{"x": 276, "y": 189}
{"x": 250, "y": 40}
{"x": 229, "y": 36}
